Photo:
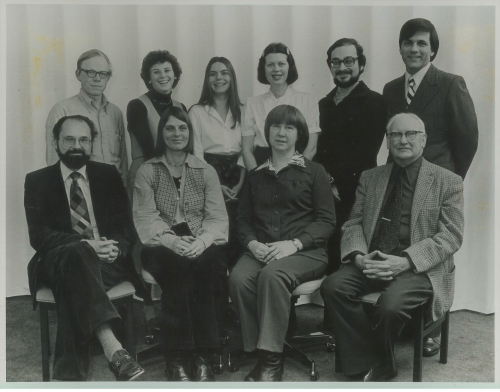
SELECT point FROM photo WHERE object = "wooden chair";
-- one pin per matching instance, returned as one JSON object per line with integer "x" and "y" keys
{"x": 420, "y": 332}
{"x": 119, "y": 295}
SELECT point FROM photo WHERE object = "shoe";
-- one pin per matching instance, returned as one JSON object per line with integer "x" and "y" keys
{"x": 202, "y": 370}
{"x": 124, "y": 367}
{"x": 431, "y": 347}
{"x": 254, "y": 375}
{"x": 176, "y": 371}
{"x": 356, "y": 377}
{"x": 271, "y": 369}
{"x": 380, "y": 373}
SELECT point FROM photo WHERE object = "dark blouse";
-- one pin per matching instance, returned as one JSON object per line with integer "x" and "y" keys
{"x": 296, "y": 202}
{"x": 137, "y": 119}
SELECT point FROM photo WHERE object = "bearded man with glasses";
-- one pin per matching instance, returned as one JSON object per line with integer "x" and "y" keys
{"x": 80, "y": 228}
{"x": 405, "y": 226}
{"x": 352, "y": 122}
{"x": 93, "y": 70}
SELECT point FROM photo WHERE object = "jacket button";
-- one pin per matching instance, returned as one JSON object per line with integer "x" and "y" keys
{"x": 275, "y": 196}
{"x": 275, "y": 212}
{"x": 275, "y": 229}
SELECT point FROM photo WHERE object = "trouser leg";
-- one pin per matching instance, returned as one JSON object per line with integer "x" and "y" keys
{"x": 354, "y": 337}
{"x": 74, "y": 273}
{"x": 393, "y": 308}
{"x": 189, "y": 287}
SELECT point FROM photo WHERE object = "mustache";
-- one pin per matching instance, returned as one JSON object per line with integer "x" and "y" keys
{"x": 344, "y": 72}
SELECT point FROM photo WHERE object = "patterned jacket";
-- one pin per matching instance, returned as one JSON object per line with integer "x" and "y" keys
{"x": 156, "y": 201}
{"x": 437, "y": 225}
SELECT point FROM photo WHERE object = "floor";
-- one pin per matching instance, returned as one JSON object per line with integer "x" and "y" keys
{"x": 471, "y": 351}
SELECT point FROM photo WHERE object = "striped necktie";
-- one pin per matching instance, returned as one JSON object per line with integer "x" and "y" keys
{"x": 411, "y": 90}
{"x": 80, "y": 218}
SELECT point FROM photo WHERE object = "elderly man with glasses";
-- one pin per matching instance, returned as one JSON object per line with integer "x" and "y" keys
{"x": 352, "y": 122}
{"x": 405, "y": 226}
{"x": 93, "y": 70}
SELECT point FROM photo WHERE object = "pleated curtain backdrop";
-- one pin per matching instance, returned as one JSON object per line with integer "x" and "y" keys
{"x": 44, "y": 42}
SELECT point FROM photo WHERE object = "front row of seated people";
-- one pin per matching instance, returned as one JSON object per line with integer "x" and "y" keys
{"x": 405, "y": 226}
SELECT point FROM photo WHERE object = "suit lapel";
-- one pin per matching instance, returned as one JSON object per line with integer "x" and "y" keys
{"x": 381, "y": 182}
{"x": 424, "y": 182}
{"x": 427, "y": 89}
{"x": 96, "y": 193}
{"x": 400, "y": 95}
{"x": 59, "y": 198}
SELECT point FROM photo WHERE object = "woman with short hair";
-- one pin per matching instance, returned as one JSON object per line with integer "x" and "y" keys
{"x": 286, "y": 215}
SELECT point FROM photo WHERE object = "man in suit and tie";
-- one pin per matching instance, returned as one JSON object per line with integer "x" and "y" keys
{"x": 405, "y": 226}
{"x": 79, "y": 225}
{"x": 440, "y": 99}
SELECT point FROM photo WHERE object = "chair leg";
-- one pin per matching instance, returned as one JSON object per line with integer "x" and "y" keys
{"x": 129, "y": 308}
{"x": 419, "y": 344}
{"x": 445, "y": 330}
{"x": 338, "y": 364}
{"x": 44, "y": 334}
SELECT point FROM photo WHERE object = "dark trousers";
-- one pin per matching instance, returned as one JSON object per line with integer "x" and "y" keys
{"x": 365, "y": 342}
{"x": 192, "y": 296}
{"x": 342, "y": 210}
{"x": 79, "y": 281}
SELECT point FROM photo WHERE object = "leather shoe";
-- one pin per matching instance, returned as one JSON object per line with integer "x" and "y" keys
{"x": 202, "y": 370}
{"x": 254, "y": 375}
{"x": 124, "y": 367}
{"x": 271, "y": 369}
{"x": 380, "y": 373}
{"x": 431, "y": 347}
{"x": 176, "y": 370}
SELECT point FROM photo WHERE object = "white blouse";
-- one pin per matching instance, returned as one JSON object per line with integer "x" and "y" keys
{"x": 213, "y": 135}
{"x": 257, "y": 109}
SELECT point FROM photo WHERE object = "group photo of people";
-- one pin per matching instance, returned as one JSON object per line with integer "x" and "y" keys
{"x": 211, "y": 165}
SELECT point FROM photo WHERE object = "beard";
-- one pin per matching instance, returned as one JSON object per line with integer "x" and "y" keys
{"x": 347, "y": 83}
{"x": 74, "y": 159}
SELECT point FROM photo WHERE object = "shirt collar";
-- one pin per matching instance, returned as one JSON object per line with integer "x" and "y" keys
{"x": 289, "y": 91}
{"x": 66, "y": 171}
{"x": 297, "y": 160}
{"x": 214, "y": 113}
{"x": 191, "y": 161}
{"x": 411, "y": 170}
{"x": 86, "y": 98}
{"x": 417, "y": 76}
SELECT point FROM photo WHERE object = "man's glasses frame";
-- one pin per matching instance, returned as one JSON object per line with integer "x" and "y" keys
{"x": 348, "y": 62}
{"x": 69, "y": 141}
{"x": 91, "y": 73}
{"x": 409, "y": 135}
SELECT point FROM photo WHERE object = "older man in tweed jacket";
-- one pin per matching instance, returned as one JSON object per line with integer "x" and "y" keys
{"x": 405, "y": 226}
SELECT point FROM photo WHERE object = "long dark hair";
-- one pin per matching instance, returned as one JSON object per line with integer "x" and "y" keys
{"x": 181, "y": 115}
{"x": 233, "y": 97}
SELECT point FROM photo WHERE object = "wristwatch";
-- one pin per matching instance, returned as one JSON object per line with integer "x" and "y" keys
{"x": 297, "y": 244}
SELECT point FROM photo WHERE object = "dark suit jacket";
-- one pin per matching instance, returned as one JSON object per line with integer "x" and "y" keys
{"x": 49, "y": 220}
{"x": 443, "y": 103}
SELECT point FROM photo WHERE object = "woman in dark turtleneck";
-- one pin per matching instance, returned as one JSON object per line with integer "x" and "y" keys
{"x": 161, "y": 72}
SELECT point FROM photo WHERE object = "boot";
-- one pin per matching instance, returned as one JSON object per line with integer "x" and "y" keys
{"x": 202, "y": 370}
{"x": 254, "y": 375}
{"x": 271, "y": 366}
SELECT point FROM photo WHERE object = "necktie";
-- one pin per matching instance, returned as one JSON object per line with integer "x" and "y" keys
{"x": 411, "y": 90}
{"x": 387, "y": 238}
{"x": 80, "y": 218}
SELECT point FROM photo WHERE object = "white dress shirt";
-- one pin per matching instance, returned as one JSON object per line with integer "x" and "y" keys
{"x": 418, "y": 76}
{"x": 83, "y": 182}
{"x": 213, "y": 135}
{"x": 257, "y": 109}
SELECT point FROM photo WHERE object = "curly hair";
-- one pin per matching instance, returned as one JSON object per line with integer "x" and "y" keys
{"x": 159, "y": 57}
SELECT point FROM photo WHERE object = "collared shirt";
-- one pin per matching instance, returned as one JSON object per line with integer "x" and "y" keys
{"x": 109, "y": 144}
{"x": 257, "y": 109}
{"x": 297, "y": 159}
{"x": 83, "y": 182}
{"x": 418, "y": 76}
{"x": 153, "y": 230}
{"x": 213, "y": 135}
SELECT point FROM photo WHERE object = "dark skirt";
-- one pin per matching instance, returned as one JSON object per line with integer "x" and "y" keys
{"x": 193, "y": 294}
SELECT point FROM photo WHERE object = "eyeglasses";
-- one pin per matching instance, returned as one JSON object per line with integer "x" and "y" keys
{"x": 69, "y": 141}
{"x": 348, "y": 62}
{"x": 91, "y": 73}
{"x": 409, "y": 135}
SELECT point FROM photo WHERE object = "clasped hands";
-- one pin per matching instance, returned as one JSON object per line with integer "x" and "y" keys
{"x": 231, "y": 193}
{"x": 380, "y": 266}
{"x": 188, "y": 246}
{"x": 106, "y": 249}
{"x": 271, "y": 251}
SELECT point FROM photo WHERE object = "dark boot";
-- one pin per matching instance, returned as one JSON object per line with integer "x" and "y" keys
{"x": 254, "y": 375}
{"x": 271, "y": 366}
{"x": 177, "y": 369}
{"x": 202, "y": 370}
